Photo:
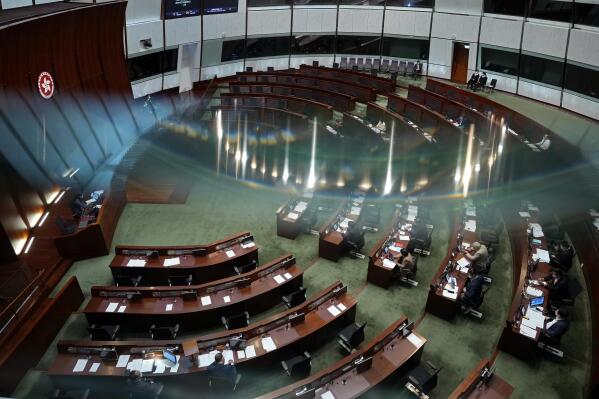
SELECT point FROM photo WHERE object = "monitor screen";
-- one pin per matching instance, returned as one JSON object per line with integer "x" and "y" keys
{"x": 168, "y": 355}
{"x": 220, "y": 6}
{"x": 181, "y": 8}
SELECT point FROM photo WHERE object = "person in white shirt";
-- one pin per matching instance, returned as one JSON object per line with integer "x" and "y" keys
{"x": 381, "y": 126}
{"x": 545, "y": 143}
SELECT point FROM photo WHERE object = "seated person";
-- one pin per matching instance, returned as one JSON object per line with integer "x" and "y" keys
{"x": 478, "y": 255}
{"x": 482, "y": 81}
{"x": 558, "y": 326}
{"x": 557, "y": 284}
{"x": 218, "y": 369}
{"x": 141, "y": 387}
{"x": 354, "y": 238}
{"x": 381, "y": 126}
{"x": 561, "y": 255}
{"x": 472, "y": 295}
{"x": 418, "y": 69}
{"x": 78, "y": 206}
{"x": 405, "y": 266}
{"x": 473, "y": 81}
{"x": 461, "y": 121}
{"x": 544, "y": 144}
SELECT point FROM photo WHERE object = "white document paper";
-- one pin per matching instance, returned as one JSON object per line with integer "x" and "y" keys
{"x": 327, "y": 395}
{"x": 388, "y": 263}
{"x": 279, "y": 279}
{"x": 175, "y": 368}
{"x": 206, "y": 300}
{"x": 333, "y": 310}
{"x": 404, "y": 238}
{"x": 341, "y": 307}
{"x": 227, "y": 299}
{"x": 527, "y": 331}
{"x": 122, "y": 309}
{"x": 355, "y": 210}
{"x": 112, "y": 306}
{"x": 543, "y": 255}
{"x": 230, "y": 253}
{"x": 240, "y": 354}
{"x": 172, "y": 261}
{"x": 160, "y": 367}
{"x": 228, "y": 355}
{"x": 147, "y": 365}
{"x": 169, "y": 307}
{"x": 123, "y": 360}
{"x": 447, "y": 292}
{"x": 206, "y": 359}
{"x": 136, "y": 263}
{"x": 394, "y": 248}
{"x": 470, "y": 225}
{"x": 135, "y": 364}
{"x": 471, "y": 212}
{"x": 292, "y": 215}
{"x": 463, "y": 262}
{"x": 94, "y": 367}
{"x": 287, "y": 276}
{"x": 415, "y": 340}
{"x": 524, "y": 214}
{"x": 250, "y": 351}
{"x": 80, "y": 365}
{"x": 268, "y": 344}
{"x": 248, "y": 244}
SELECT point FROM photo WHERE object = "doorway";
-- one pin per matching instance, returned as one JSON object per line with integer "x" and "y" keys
{"x": 459, "y": 66}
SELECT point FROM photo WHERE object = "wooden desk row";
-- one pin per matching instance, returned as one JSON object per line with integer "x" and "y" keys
{"x": 483, "y": 383}
{"x": 392, "y": 352}
{"x": 331, "y": 238}
{"x": 379, "y": 84}
{"x": 341, "y": 102}
{"x": 361, "y": 93}
{"x": 204, "y": 263}
{"x": 301, "y": 328}
{"x": 418, "y": 137}
{"x": 292, "y": 217}
{"x": 194, "y": 307}
{"x": 523, "y": 327}
{"x": 443, "y": 297}
{"x": 323, "y": 112}
{"x": 381, "y": 258}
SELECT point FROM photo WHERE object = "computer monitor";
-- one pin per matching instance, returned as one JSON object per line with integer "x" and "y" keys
{"x": 537, "y": 301}
{"x": 169, "y": 356}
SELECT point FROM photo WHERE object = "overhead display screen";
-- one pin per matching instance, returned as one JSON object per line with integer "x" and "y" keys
{"x": 220, "y": 6}
{"x": 181, "y": 8}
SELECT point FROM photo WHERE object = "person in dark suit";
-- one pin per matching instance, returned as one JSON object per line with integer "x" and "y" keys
{"x": 482, "y": 82}
{"x": 557, "y": 284}
{"x": 473, "y": 292}
{"x": 354, "y": 238}
{"x": 473, "y": 80}
{"x": 561, "y": 255}
{"x": 78, "y": 206}
{"x": 218, "y": 369}
{"x": 555, "y": 328}
{"x": 141, "y": 387}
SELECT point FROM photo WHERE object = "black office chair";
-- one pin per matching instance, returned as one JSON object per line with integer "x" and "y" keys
{"x": 103, "y": 333}
{"x": 236, "y": 321}
{"x": 249, "y": 69}
{"x": 298, "y": 366}
{"x": 309, "y": 218}
{"x": 424, "y": 378}
{"x": 245, "y": 268}
{"x": 64, "y": 226}
{"x": 372, "y": 217}
{"x": 492, "y": 85}
{"x": 351, "y": 336}
{"x": 270, "y": 69}
{"x": 574, "y": 289}
{"x": 295, "y": 298}
{"x": 422, "y": 245}
{"x": 127, "y": 281}
{"x": 164, "y": 332}
{"x": 336, "y": 65}
{"x": 314, "y": 63}
{"x": 180, "y": 280}
{"x": 223, "y": 387}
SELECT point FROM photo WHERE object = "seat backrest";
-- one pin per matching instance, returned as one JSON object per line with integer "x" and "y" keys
{"x": 395, "y": 62}
{"x": 358, "y": 336}
{"x": 237, "y": 321}
{"x": 493, "y": 82}
{"x": 360, "y": 61}
{"x": 343, "y": 59}
{"x": 352, "y": 61}
{"x": 162, "y": 333}
{"x": 99, "y": 333}
{"x": 376, "y": 62}
{"x": 385, "y": 62}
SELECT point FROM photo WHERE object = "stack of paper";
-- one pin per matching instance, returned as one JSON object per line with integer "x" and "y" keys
{"x": 395, "y": 248}
{"x": 388, "y": 263}
{"x": 250, "y": 351}
{"x": 227, "y": 299}
{"x": 471, "y": 211}
{"x": 415, "y": 340}
{"x": 147, "y": 365}
{"x": 279, "y": 279}
{"x": 206, "y": 359}
{"x": 344, "y": 223}
{"x": 248, "y": 244}
{"x": 135, "y": 365}
{"x": 524, "y": 214}
{"x": 230, "y": 253}
{"x": 287, "y": 276}
{"x": 470, "y": 225}
{"x": 527, "y": 331}
{"x": 122, "y": 309}
{"x": 94, "y": 367}
{"x": 206, "y": 300}
{"x": 123, "y": 360}
{"x": 292, "y": 215}
{"x": 228, "y": 355}
{"x": 268, "y": 344}
{"x": 172, "y": 262}
{"x": 450, "y": 291}
{"x": 404, "y": 238}
{"x": 301, "y": 206}
{"x": 80, "y": 365}
{"x": 112, "y": 306}
{"x": 327, "y": 395}
{"x": 355, "y": 210}
{"x": 542, "y": 255}
{"x": 169, "y": 307}
{"x": 160, "y": 367}
{"x": 136, "y": 263}
{"x": 333, "y": 310}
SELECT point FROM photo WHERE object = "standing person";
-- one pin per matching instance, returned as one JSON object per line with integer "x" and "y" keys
{"x": 473, "y": 80}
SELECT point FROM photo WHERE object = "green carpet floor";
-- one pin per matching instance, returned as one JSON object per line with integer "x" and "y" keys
{"x": 220, "y": 206}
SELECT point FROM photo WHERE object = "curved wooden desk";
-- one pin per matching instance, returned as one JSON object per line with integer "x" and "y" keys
{"x": 445, "y": 303}
{"x": 517, "y": 339}
{"x": 206, "y": 262}
{"x": 323, "y": 112}
{"x": 475, "y": 386}
{"x": 386, "y": 355}
{"x": 354, "y": 89}
{"x": 300, "y": 328}
{"x": 193, "y": 307}
{"x": 341, "y": 102}
{"x": 383, "y": 85}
